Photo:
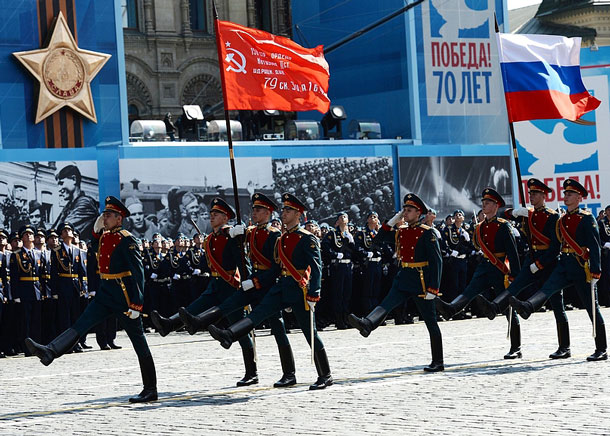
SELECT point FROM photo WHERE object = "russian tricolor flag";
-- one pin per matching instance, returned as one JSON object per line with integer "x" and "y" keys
{"x": 541, "y": 75}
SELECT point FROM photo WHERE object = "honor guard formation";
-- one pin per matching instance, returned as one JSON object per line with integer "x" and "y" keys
{"x": 291, "y": 273}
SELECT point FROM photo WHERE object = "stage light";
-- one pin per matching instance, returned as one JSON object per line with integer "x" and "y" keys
{"x": 296, "y": 129}
{"x": 364, "y": 129}
{"x": 147, "y": 130}
{"x": 333, "y": 119}
{"x": 217, "y": 130}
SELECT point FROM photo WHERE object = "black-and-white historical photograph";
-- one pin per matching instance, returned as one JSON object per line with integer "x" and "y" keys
{"x": 164, "y": 195}
{"x": 332, "y": 185}
{"x": 46, "y": 194}
{"x": 450, "y": 183}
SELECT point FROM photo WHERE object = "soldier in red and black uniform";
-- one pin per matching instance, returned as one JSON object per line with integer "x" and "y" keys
{"x": 225, "y": 262}
{"x": 494, "y": 237}
{"x": 260, "y": 243}
{"x": 419, "y": 253}
{"x": 119, "y": 294}
{"x": 578, "y": 265}
{"x": 539, "y": 224}
{"x": 299, "y": 265}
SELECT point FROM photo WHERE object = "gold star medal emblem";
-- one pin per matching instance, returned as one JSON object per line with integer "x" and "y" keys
{"x": 65, "y": 73}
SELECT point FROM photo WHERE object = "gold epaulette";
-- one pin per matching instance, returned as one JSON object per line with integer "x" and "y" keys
{"x": 584, "y": 212}
{"x": 425, "y": 227}
{"x": 125, "y": 233}
{"x": 551, "y": 211}
{"x": 304, "y": 231}
{"x": 501, "y": 220}
{"x": 273, "y": 229}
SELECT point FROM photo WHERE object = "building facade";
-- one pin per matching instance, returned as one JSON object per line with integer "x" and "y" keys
{"x": 170, "y": 49}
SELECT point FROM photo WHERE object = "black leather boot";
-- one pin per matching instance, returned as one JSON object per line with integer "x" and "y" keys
{"x": 486, "y": 307}
{"x": 58, "y": 346}
{"x": 449, "y": 310}
{"x": 200, "y": 322}
{"x": 531, "y": 305}
{"x": 366, "y": 325}
{"x": 251, "y": 377}
{"x": 287, "y": 360}
{"x": 436, "y": 343}
{"x": 515, "y": 339}
{"x": 149, "y": 378}
{"x": 600, "y": 344}
{"x": 165, "y": 326}
{"x": 563, "y": 335}
{"x": 233, "y": 333}
{"x": 324, "y": 378}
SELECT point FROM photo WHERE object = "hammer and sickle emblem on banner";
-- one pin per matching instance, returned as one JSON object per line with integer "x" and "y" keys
{"x": 230, "y": 58}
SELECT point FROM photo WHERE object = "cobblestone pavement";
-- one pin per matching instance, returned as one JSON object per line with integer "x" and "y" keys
{"x": 379, "y": 386}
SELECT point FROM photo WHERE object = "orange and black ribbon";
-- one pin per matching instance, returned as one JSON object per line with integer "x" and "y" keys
{"x": 63, "y": 129}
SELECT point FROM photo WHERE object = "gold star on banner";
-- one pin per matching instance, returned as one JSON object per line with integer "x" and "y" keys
{"x": 65, "y": 73}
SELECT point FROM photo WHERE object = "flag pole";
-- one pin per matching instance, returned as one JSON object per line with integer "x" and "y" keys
{"x": 520, "y": 182}
{"x": 227, "y": 120}
{"x": 231, "y": 154}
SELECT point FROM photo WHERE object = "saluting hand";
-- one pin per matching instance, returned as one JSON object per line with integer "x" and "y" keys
{"x": 98, "y": 226}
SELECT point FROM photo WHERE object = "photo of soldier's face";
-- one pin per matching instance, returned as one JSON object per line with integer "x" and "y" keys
{"x": 36, "y": 218}
{"x": 67, "y": 187}
{"x": 137, "y": 215}
{"x": 192, "y": 210}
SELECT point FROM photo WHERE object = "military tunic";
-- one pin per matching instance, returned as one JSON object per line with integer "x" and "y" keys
{"x": 223, "y": 257}
{"x": 579, "y": 261}
{"x": 419, "y": 255}
{"x": 298, "y": 263}
{"x": 24, "y": 269}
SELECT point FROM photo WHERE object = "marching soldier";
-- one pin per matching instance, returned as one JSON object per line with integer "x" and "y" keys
{"x": 225, "y": 261}
{"x": 418, "y": 251}
{"x": 578, "y": 265}
{"x": 539, "y": 225}
{"x": 24, "y": 267}
{"x": 297, "y": 255}
{"x": 260, "y": 241}
{"x": 495, "y": 238}
{"x": 338, "y": 246}
{"x": 370, "y": 255}
{"x": 119, "y": 294}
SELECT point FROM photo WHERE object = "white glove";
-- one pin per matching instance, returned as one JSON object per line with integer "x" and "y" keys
{"x": 392, "y": 221}
{"x": 196, "y": 271}
{"x": 133, "y": 314}
{"x": 98, "y": 225}
{"x": 454, "y": 253}
{"x": 429, "y": 296}
{"x": 91, "y": 294}
{"x": 521, "y": 211}
{"x": 176, "y": 277}
{"x": 339, "y": 255}
{"x": 607, "y": 245}
{"x": 55, "y": 297}
{"x": 466, "y": 236}
{"x": 154, "y": 276}
{"x": 350, "y": 238}
{"x": 247, "y": 285}
{"x": 534, "y": 268}
{"x": 593, "y": 282}
{"x": 17, "y": 300}
{"x": 239, "y": 229}
{"x": 472, "y": 253}
{"x": 369, "y": 254}
{"x": 312, "y": 304}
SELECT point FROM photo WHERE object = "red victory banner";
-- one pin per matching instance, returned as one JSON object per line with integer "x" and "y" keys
{"x": 264, "y": 71}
